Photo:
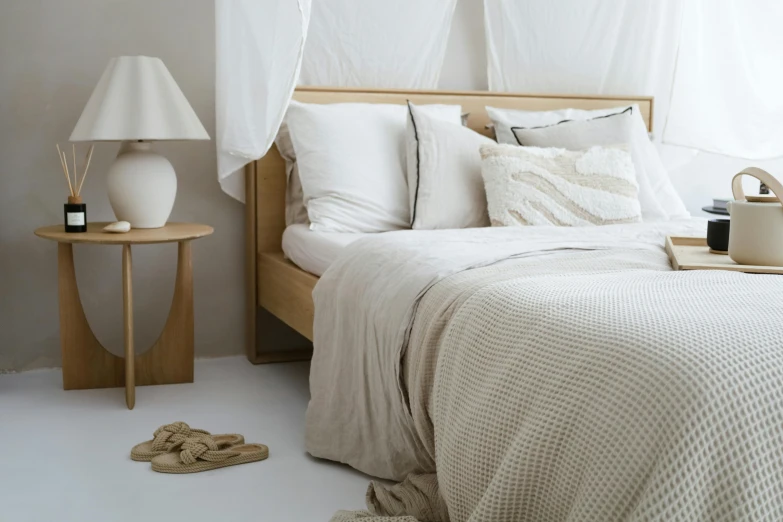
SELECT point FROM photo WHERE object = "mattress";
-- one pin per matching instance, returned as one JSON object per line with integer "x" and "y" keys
{"x": 314, "y": 251}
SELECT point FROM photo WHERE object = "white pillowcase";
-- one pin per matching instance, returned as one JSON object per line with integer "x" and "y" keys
{"x": 295, "y": 211}
{"x": 444, "y": 173}
{"x": 351, "y": 163}
{"x": 605, "y": 130}
{"x": 552, "y": 186}
{"x": 504, "y": 119}
{"x": 659, "y": 199}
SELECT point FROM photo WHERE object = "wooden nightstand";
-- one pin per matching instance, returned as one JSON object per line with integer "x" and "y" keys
{"x": 86, "y": 363}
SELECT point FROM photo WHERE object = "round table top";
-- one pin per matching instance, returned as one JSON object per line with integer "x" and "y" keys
{"x": 170, "y": 233}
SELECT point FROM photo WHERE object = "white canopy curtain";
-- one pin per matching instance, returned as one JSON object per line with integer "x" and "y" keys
{"x": 260, "y": 49}
{"x": 377, "y": 43}
{"x": 726, "y": 96}
{"x": 585, "y": 47}
{"x": 259, "y": 46}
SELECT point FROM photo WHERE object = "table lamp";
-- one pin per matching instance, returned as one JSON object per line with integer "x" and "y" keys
{"x": 137, "y": 101}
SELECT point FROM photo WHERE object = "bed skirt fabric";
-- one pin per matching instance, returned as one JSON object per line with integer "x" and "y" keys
{"x": 567, "y": 377}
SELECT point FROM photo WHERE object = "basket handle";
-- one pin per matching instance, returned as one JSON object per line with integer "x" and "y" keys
{"x": 763, "y": 176}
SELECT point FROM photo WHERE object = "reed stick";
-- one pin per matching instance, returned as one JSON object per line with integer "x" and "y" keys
{"x": 64, "y": 164}
{"x": 73, "y": 148}
{"x": 68, "y": 172}
{"x": 88, "y": 158}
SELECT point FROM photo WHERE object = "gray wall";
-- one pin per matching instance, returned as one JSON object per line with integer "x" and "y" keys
{"x": 52, "y": 53}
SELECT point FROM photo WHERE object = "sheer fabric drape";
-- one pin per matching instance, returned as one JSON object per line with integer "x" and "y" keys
{"x": 377, "y": 43}
{"x": 259, "y": 46}
{"x": 585, "y": 47}
{"x": 726, "y": 96}
{"x": 261, "y": 51}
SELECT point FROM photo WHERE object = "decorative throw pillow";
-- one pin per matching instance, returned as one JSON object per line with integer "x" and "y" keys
{"x": 351, "y": 162}
{"x": 657, "y": 195}
{"x": 444, "y": 173}
{"x": 552, "y": 186}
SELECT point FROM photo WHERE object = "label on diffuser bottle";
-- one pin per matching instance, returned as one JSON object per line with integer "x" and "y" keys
{"x": 75, "y": 219}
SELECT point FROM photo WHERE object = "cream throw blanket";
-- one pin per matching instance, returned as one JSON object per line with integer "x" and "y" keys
{"x": 552, "y": 383}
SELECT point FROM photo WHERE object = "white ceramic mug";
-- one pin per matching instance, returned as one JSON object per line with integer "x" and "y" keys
{"x": 756, "y": 234}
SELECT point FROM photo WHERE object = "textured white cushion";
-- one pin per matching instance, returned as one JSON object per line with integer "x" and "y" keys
{"x": 444, "y": 173}
{"x": 351, "y": 163}
{"x": 552, "y": 186}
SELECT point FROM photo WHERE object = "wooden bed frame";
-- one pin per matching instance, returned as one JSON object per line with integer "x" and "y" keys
{"x": 283, "y": 289}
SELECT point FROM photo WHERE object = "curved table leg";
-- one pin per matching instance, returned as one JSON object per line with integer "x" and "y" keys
{"x": 127, "y": 323}
{"x": 87, "y": 364}
{"x": 170, "y": 360}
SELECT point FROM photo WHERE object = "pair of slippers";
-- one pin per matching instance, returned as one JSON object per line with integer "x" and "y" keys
{"x": 178, "y": 448}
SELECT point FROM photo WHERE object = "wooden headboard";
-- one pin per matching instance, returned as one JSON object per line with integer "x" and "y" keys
{"x": 266, "y": 180}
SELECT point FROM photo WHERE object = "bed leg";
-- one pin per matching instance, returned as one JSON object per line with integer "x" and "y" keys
{"x": 278, "y": 342}
{"x": 251, "y": 286}
{"x": 283, "y": 356}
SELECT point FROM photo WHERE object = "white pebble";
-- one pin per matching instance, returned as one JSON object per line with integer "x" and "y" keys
{"x": 120, "y": 227}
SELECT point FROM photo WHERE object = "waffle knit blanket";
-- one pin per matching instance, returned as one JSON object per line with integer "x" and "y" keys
{"x": 569, "y": 375}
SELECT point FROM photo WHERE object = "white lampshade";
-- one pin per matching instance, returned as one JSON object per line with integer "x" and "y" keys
{"x": 137, "y": 99}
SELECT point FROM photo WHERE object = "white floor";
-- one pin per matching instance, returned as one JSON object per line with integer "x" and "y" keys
{"x": 64, "y": 456}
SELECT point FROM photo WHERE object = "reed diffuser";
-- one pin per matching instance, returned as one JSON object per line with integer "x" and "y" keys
{"x": 75, "y": 212}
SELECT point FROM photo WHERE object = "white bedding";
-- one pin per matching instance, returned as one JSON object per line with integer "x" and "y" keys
{"x": 544, "y": 373}
{"x": 314, "y": 251}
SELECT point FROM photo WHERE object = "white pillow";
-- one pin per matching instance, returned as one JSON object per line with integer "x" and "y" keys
{"x": 504, "y": 119}
{"x": 444, "y": 173}
{"x": 669, "y": 204}
{"x": 351, "y": 163}
{"x": 552, "y": 186}
{"x": 295, "y": 211}
{"x": 604, "y": 130}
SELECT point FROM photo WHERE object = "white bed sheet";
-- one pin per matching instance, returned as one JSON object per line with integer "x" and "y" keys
{"x": 315, "y": 251}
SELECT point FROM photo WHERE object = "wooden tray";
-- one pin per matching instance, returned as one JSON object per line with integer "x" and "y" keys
{"x": 692, "y": 253}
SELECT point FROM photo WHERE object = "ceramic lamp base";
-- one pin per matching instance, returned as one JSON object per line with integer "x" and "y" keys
{"x": 142, "y": 186}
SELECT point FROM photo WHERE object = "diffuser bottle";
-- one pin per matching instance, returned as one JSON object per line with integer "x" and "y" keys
{"x": 75, "y": 212}
{"x": 75, "y": 215}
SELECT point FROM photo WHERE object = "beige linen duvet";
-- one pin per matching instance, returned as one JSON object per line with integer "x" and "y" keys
{"x": 549, "y": 374}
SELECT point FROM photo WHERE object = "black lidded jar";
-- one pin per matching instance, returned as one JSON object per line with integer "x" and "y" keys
{"x": 75, "y": 215}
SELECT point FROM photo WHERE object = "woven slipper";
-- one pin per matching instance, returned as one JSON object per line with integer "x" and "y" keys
{"x": 170, "y": 437}
{"x": 202, "y": 454}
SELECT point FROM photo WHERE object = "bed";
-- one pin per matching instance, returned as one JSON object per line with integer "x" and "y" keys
{"x": 282, "y": 288}
{"x": 528, "y": 373}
